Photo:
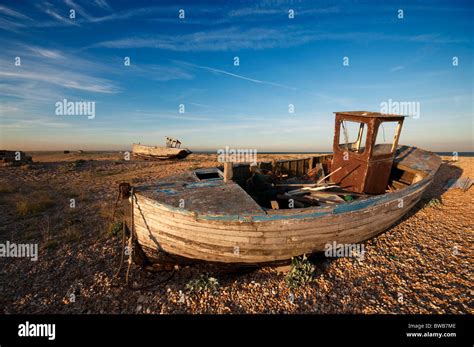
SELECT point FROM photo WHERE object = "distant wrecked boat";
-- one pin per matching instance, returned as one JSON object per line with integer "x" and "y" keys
{"x": 270, "y": 212}
{"x": 172, "y": 150}
{"x": 8, "y": 158}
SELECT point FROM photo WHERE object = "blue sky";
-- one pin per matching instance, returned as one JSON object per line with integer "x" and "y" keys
{"x": 190, "y": 61}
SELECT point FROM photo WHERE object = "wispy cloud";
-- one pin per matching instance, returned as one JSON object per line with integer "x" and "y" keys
{"x": 79, "y": 9}
{"x": 222, "y": 72}
{"x": 13, "y": 20}
{"x": 238, "y": 38}
{"x": 60, "y": 18}
{"x": 29, "y": 91}
{"x": 20, "y": 23}
{"x": 55, "y": 72}
{"x": 435, "y": 38}
{"x": 152, "y": 13}
{"x": 10, "y": 26}
{"x": 47, "y": 53}
{"x": 12, "y": 13}
{"x": 200, "y": 105}
{"x": 51, "y": 68}
{"x": 66, "y": 80}
{"x": 103, "y": 4}
{"x": 217, "y": 40}
{"x": 60, "y": 12}
{"x": 159, "y": 72}
{"x": 281, "y": 11}
{"x": 397, "y": 68}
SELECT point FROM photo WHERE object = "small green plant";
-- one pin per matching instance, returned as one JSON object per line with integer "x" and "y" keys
{"x": 202, "y": 284}
{"x": 71, "y": 166}
{"x": 348, "y": 198}
{"x": 115, "y": 228}
{"x": 301, "y": 272}
{"x": 433, "y": 203}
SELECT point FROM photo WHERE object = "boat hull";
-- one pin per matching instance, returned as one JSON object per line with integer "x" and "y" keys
{"x": 159, "y": 153}
{"x": 267, "y": 237}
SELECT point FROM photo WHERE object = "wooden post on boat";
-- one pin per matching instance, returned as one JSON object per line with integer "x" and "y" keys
{"x": 310, "y": 164}
{"x": 228, "y": 173}
{"x": 396, "y": 137}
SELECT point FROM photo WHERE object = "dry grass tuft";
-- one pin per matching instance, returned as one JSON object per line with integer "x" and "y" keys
{"x": 33, "y": 203}
{"x": 6, "y": 188}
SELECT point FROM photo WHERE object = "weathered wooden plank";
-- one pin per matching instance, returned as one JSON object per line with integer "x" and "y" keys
{"x": 307, "y": 228}
{"x": 351, "y": 229}
{"x": 251, "y": 254}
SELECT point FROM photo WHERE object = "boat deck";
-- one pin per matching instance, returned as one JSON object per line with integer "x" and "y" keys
{"x": 207, "y": 197}
{"x": 416, "y": 160}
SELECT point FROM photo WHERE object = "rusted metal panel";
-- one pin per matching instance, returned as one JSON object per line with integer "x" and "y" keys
{"x": 378, "y": 173}
{"x": 365, "y": 171}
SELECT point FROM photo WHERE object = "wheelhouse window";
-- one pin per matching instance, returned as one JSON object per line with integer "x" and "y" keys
{"x": 387, "y": 137}
{"x": 352, "y": 136}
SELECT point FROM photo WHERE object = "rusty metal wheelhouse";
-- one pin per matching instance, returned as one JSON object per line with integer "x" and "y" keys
{"x": 363, "y": 166}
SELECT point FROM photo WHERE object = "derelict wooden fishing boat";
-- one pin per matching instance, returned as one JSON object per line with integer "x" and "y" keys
{"x": 172, "y": 150}
{"x": 202, "y": 215}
